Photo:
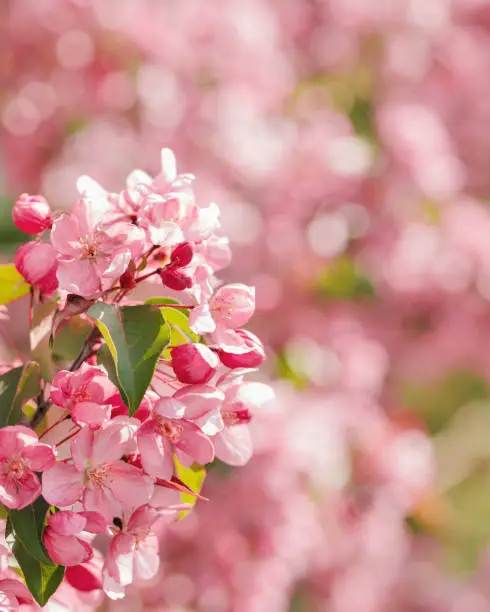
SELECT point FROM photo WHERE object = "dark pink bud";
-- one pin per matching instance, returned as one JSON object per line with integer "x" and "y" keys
{"x": 127, "y": 279}
{"x": 194, "y": 364}
{"x": 182, "y": 255}
{"x": 32, "y": 214}
{"x": 37, "y": 263}
{"x": 175, "y": 279}
{"x": 249, "y": 354}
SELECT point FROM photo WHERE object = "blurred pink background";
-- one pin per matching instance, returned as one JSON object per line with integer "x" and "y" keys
{"x": 347, "y": 144}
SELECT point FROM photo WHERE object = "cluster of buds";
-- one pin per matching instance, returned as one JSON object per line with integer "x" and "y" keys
{"x": 109, "y": 471}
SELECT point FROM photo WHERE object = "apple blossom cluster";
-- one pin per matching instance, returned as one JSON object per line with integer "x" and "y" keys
{"x": 117, "y": 437}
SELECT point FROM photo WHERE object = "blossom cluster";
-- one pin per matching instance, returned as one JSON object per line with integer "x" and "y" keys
{"x": 102, "y": 471}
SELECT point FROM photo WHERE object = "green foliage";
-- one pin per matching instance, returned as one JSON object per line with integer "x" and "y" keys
{"x": 12, "y": 284}
{"x": 193, "y": 478}
{"x": 343, "y": 280}
{"x": 178, "y": 321}
{"x": 28, "y": 527}
{"x": 136, "y": 337}
{"x": 41, "y": 579}
{"x": 438, "y": 401}
{"x": 16, "y": 387}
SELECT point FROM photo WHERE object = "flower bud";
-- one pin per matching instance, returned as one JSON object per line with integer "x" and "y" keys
{"x": 32, "y": 214}
{"x": 182, "y": 255}
{"x": 37, "y": 263}
{"x": 233, "y": 305}
{"x": 194, "y": 364}
{"x": 175, "y": 279}
{"x": 248, "y": 352}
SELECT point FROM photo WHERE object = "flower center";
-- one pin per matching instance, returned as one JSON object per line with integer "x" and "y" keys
{"x": 98, "y": 475}
{"x": 16, "y": 468}
{"x": 169, "y": 429}
{"x": 82, "y": 395}
{"x": 236, "y": 417}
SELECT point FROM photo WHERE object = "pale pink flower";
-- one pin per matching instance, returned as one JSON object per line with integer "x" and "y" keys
{"x": 231, "y": 306}
{"x": 168, "y": 431}
{"x": 194, "y": 364}
{"x": 32, "y": 214}
{"x": 84, "y": 393}
{"x": 87, "y": 254}
{"x": 233, "y": 443}
{"x": 97, "y": 476}
{"x": 61, "y": 536}
{"x": 21, "y": 455}
{"x": 37, "y": 263}
{"x": 133, "y": 551}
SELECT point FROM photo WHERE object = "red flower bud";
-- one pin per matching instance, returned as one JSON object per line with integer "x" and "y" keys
{"x": 250, "y": 355}
{"x": 37, "y": 263}
{"x": 32, "y": 214}
{"x": 175, "y": 279}
{"x": 182, "y": 255}
{"x": 194, "y": 364}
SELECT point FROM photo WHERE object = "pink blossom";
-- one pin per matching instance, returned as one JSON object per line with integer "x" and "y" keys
{"x": 32, "y": 214}
{"x": 37, "y": 263}
{"x": 234, "y": 443}
{"x": 239, "y": 348}
{"x": 168, "y": 431}
{"x": 230, "y": 307}
{"x": 87, "y": 254}
{"x": 61, "y": 536}
{"x": 97, "y": 475}
{"x": 84, "y": 393}
{"x": 194, "y": 364}
{"x": 21, "y": 455}
{"x": 13, "y": 593}
{"x": 133, "y": 552}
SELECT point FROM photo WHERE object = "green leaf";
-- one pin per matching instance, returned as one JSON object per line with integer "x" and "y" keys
{"x": 178, "y": 320}
{"x": 12, "y": 284}
{"x": 343, "y": 280}
{"x": 28, "y": 527}
{"x": 41, "y": 579}
{"x": 192, "y": 477}
{"x": 16, "y": 387}
{"x": 136, "y": 337}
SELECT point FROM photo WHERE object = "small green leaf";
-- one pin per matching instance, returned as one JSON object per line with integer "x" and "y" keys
{"x": 136, "y": 337}
{"x": 28, "y": 527}
{"x": 41, "y": 579}
{"x": 178, "y": 320}
{"x": 192, "y": 477}
{"x": 16, "y": 387}
{"x": 343, "y": 280}
{"x": 12, "y": 284}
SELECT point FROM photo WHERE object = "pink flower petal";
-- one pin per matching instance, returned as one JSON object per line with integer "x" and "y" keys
{"x": 170, "y": 408}
{"x": 88, "y": 413}
{"x": 155, "y": 458}
{"x": 119, "y": 561}
{"x": 130, "y": 485}
{"x": 234, "y": 445}
{"x": 146, "y": 558}
{"x": 78, "y": 277}
{"x": 65, "y": 236}
{"x": 40, "y": 456}
{"x": 67, "y": 523}
{"x": 66, "y": 550}
{"x": 14, "y": 438}
{"x": 62, "y": 485}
